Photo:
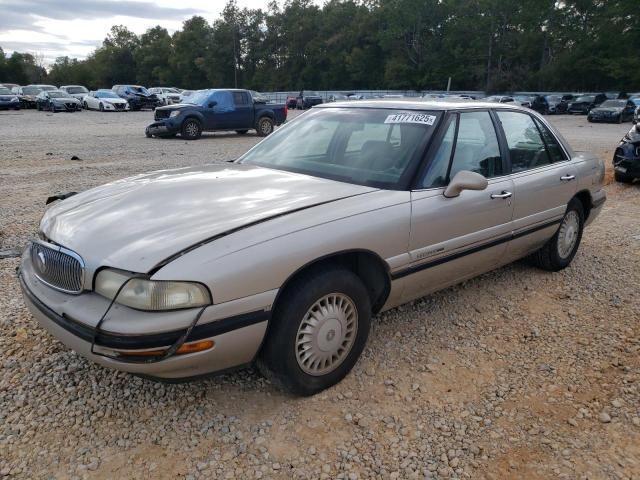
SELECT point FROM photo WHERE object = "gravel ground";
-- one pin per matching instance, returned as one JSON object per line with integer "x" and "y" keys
{"x": 516, "y": 374}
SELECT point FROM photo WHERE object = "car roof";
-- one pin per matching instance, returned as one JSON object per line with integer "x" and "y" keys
{"x": 422, "y": 104}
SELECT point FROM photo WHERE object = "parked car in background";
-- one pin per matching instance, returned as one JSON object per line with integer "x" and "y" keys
{"x": 337, "y": 97}
{"x": 524, "y": 100}
{"x": 57, "y": 101}
{"x": 137, "y": 96}
{"x": 501, "y": 99}
{"x": 307, "y": 99}
{"x": 291, "y": 102}
{"x": 8, "y": 99}
{"x": 626, "y": 159}
{"x": 184, "y": 94}
{"x": 217, "y": 110}
{"x": 27, "y": 95}
{"x": 584, "y": 103}
{"x": 549, "y": 104}
{"x": 612, "y": 111}
{"x": 283, "y": 257}
{"x": 636, "y": 111}
{"x": 166, "y": 95}
{"x": 76, "y": 91}
{"x": 105, "y": 101}
{"x": 9, "y": 85}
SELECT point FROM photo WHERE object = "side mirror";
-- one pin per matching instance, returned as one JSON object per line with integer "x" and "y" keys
{"x": 212, "y": 104}
{"x": 465, "y": 180}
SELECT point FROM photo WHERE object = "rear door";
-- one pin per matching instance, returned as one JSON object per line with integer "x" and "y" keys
{"x": 242, "y": 118}
{"x": 544, "y": 180}
{"x": 456, "y": 238}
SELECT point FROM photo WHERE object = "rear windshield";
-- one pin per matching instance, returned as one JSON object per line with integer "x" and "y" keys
{"x": 365, "y": 146}
{"x": 77, "y": 90}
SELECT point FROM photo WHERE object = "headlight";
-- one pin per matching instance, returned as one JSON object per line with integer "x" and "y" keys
{"x": 175, "y": 113}
{"x": 144, "y": 294}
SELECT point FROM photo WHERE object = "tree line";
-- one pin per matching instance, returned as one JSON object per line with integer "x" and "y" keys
{"x": 491, "y": 45}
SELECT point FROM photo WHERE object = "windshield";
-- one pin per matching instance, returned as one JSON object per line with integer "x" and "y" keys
{"x": 106, "y": 95}
{"x": 77, "y": 90}
{"x": 57, "y": 95}
{"x": 48, "y": 88}
{"x": 586, "y": 98}
{"x": 136, "y": 89}
{"x": 365, "y": 146}
{"x": 309, "y": 93}
{"x": 198, "y": 97}
{"x": 614, "y": 104}
{"x": 5, "y": 91}
{"x": 31, "y": 91}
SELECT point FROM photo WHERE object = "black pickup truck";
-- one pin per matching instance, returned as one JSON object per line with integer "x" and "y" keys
{"x": 217, "y": 110}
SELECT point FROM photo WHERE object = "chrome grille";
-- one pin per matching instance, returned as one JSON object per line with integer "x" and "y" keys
{"x": 58, "y": 267}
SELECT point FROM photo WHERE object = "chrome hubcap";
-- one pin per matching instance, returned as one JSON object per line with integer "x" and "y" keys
{"x": 326, "y": 334}
{"x": 568, "y": 234}
{"x": 266, "y": 127}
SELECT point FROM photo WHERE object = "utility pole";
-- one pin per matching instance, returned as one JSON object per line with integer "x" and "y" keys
{"x": 235, "y": 56}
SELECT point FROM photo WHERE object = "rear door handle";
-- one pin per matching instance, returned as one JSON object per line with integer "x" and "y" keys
{"x": 504, "y": 194}
{"x": 567, "y": 178}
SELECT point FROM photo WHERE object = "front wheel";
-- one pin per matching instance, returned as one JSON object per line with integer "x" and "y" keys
{"x": 265, "y": 126}
{"x": 86, "y": 107}
{"x": 559, "y": 251}
{"x": 318, "y": 331}
{"x": 52, "y": 108}
{"x": 191, "y": 129}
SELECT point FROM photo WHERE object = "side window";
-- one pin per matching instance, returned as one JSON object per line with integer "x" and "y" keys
{"x": 224, "y": 101}
{"x": 526, "y": 148}
{"x": 240, "y": 98}
{"x": 436, "y": 174}
{"x": 477, "y": 147}
{"x": 553, "y": 145}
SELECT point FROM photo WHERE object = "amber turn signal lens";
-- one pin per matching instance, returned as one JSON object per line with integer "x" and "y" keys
{"x": 186, "y": 348}
{"x": 195, "y": 347}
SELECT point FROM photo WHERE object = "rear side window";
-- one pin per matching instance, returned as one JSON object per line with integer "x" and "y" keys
{"x": 553, "y": 146}
{"x": 240, "y": 98}
{"x": 526, "y": 147}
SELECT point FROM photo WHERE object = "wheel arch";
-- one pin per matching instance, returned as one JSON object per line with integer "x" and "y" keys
{"x": 372, "y": 270}
{"x": 584, "y": 197}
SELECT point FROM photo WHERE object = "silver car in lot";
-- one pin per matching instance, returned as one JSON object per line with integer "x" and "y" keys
{"x": 282, "y": 257}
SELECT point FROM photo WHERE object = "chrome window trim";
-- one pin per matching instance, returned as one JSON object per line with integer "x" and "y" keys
{"x": 65, "y": 251}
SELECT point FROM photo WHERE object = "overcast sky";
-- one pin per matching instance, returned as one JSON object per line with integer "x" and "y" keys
{"x": 56, "y": 28}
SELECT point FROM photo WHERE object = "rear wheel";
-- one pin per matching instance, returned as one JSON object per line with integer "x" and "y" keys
{"x": 191, "y": 129}
{"x": 318, "y": 331}
{"x": 559, "y": 251}
{"x": 101, "y": 107}
{"x": 86, "y": 107}
{"x": 265, "y": 126}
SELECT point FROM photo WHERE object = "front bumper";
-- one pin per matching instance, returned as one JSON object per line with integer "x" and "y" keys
{"x": 626, "y": 159}
{"x": 237, "y": 329}
{"x": 605, "y": 118}
{"x": 10, "y": 105}
{"x": 168, "y": 126}
{"x": 67, "y": 107}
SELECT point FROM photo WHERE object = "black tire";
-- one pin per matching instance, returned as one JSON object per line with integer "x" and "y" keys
{"x": 620, "y": 118}
{"x": 101, "y": 107}
{"x": 39, "y": 107}
{"x": 265, "y": 126}
{"x": 278, "y": 359}
{"x": 191, "y": 129}
{"x": 241, "y": 132}
{"x": 52, "y": 108}
{"x": 86, "y": 107}
{"x": 549, "y": 257}
{"x": 622, "y": 178}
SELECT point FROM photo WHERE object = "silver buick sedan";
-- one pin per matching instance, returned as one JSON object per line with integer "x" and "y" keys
{"x": 282, "y": 257}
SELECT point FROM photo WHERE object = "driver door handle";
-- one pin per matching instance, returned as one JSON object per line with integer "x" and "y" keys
{"x": 567, "y": 178}
{"x": 503, "y": 195}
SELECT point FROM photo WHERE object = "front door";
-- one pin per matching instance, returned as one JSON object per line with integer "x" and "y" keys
{"x": 456, "y": 238}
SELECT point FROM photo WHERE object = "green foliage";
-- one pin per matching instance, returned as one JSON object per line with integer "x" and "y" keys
{"x": 490, "y": 45}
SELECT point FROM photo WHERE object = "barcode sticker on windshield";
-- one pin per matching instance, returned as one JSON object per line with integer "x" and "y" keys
{"x": 421, "y": 118}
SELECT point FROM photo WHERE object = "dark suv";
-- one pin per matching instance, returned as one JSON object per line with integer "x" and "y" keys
{"x": 584, "y": 103}
{"x": 137, "y": 96}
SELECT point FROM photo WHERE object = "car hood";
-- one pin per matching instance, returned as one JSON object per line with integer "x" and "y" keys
{"x": 113, "y": 100}
{"x": 633, "y": 136}
{"x": 136, "y": 223}
{"x": 180, "y": 106}
{"x": 64, "y": 99}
